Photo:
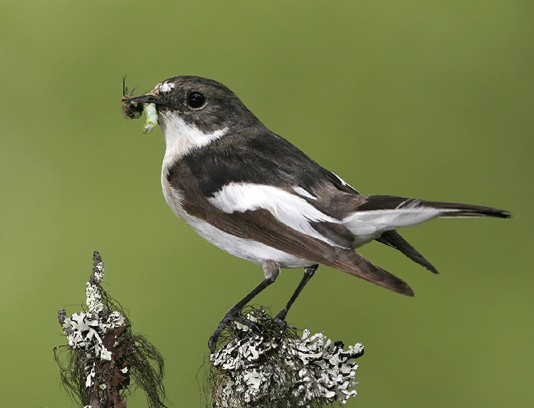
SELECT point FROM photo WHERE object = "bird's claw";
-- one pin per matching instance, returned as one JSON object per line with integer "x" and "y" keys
{"x": 212, "y": 342}
{"x": 247, "y": 322}
{"x": 214, "y": 338}
{"x": 280, "y": 321}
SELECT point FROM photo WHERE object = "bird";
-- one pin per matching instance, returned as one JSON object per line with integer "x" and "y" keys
{"x": 253, "y": 194}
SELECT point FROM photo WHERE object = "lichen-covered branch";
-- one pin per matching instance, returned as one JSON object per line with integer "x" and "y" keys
{"x": 258, "y": 363}
{"x": 264, "y": 365}
{"x": 103, "y": 355}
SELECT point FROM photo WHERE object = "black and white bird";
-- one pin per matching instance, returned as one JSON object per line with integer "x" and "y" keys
{"x": 253, "y": 194}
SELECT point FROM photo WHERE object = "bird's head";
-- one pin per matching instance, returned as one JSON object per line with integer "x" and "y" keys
{"x": 190, "y": 102}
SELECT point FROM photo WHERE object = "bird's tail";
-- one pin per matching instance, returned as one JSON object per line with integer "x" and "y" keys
{"x": 455, "y": 210}
{"x": 395, "y": 240}
{"x": 379, "y": 214}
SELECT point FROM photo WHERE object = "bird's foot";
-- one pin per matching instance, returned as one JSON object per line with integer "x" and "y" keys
{"x": 230, "y": 318}
{"x": 212, "y": 342}
{"x": 280, "y": 320}
{"x": 246, "y": 322}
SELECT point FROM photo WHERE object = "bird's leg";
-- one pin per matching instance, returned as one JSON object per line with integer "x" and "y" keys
{"x": 271, "y": 271}
{"x": 308, "y": 274}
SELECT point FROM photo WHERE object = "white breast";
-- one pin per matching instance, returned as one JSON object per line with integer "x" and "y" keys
{"x": 181, "y": 138}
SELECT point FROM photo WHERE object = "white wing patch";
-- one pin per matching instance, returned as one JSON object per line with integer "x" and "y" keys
{"x": 181, "y": 138}
{"x": 304, "y": 193}
{"x": 241, "y": 247}
{"x": 287, "y": 208}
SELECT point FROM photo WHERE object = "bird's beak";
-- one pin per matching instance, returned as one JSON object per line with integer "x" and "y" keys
{"x": 133, "y": 106}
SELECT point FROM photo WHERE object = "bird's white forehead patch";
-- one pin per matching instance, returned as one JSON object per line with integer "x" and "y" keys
{"x": 165, "y": 87}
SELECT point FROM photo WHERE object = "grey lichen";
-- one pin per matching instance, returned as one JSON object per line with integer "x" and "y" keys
{"x": 103, "y": 354}
{"x": 261, "y": 365}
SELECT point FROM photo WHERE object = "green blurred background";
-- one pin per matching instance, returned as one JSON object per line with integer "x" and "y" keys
{"x": 421, "y": 99}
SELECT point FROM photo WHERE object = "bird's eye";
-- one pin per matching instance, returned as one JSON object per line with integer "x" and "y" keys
{"x": 196, "y": 100}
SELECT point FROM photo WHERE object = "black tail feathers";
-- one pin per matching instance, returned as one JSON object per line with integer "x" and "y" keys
{"x": 466, "y": 210}
{"x": 382, "y": 202}
{"x": 395, "y": 240}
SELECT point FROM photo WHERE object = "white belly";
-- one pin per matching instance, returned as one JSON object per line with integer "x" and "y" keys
{"x": 241, "y": 247}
